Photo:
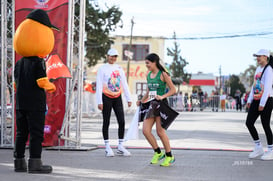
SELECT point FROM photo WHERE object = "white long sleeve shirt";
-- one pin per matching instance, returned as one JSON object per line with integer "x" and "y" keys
{"x": 111, "y": 78}
{"x": 266, "y": 85}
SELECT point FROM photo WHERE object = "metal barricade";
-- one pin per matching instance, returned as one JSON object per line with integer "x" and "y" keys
{"x": 196, "y": 103}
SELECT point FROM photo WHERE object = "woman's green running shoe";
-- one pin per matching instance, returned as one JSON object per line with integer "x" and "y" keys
{"x": 157, "y": 157}
{"x": 169, "y": 160}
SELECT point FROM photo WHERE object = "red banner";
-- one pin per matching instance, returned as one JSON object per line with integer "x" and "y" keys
{"x": 56, "y": 69}
{"x": 57, "y": 11}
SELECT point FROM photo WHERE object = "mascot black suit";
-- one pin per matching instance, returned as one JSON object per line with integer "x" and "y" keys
{"x": 33, "y": 40}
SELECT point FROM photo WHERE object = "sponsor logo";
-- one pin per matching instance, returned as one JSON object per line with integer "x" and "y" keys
{"x": 54, "y": 66}
{"x": 164, "y": 116}
{"x": 47, "y": 129}
{"x": 41, "y": 3}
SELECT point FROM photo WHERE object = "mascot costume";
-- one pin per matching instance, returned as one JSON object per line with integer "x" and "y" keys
{"x": 33, "y": 40}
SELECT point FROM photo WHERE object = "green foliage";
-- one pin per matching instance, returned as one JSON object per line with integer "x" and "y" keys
{"x": 248, "y": 74}
{"x": 234, "y": 83}
{"x": 178, "y": 64}
{"x": 99, "y": 23}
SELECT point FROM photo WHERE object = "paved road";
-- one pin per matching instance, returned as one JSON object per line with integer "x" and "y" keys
{"x": 205, "y": 130}
{"x": 208, "y": 146}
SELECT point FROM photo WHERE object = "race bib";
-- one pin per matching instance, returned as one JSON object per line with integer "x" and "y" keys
{"x": 152, "y": 94}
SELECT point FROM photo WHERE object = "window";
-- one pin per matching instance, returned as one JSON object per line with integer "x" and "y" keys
{"x": 140, "y": 51}
{"x": 141, "y": 89}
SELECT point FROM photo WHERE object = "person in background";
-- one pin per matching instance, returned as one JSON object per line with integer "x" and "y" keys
{"x": 215, "y": 100}
{"x": 211, "y": 100}
{"x": 260, "y": 103}
{"x": 193, "y": 100}
{"x": 237, "y": 97}
{"x": 111, "y": 81}
{"x": 186, "y": 104}
{"x": 179, "y": 102}
{"x": 201, "y": 98}
{"x": 157, "y": 80}
{"x": 223, "y": 102}
{"x": 245, "y": 100}
{"x": 205, "y": 99}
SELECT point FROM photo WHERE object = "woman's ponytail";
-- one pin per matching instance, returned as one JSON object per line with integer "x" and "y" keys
{"x": 270, "y": 61}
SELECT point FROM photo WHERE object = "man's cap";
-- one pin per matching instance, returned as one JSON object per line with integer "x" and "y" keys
{"x": 41, "y": 16}
{"x": 262, "y": 52}
{"x": 112, "y": 52}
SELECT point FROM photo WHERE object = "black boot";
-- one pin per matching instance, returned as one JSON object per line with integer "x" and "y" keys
{"x": 20, "y": 165}
{"x": 35, "y": 165}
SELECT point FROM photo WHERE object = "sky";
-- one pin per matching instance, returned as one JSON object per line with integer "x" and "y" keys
{"x": 204, "y": 29}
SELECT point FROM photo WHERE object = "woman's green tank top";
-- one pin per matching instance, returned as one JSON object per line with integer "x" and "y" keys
{"x": 156, "y": 84}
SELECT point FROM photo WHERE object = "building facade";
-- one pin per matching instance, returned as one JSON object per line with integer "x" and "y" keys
{"x": 141, "y": 46}
{"x": 207, "y": 82}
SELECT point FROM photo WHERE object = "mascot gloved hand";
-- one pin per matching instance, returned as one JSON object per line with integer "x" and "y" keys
{"x": 33, "y": 40}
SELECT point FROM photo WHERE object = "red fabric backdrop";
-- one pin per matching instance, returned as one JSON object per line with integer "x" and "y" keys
{"x": 58, "y": 13}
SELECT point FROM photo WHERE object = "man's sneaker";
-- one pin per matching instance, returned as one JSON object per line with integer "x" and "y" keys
{"x": 157, "y": 157}
{"x": 258, "y": 151}
{"x": 109, "y": 152}
{"x": 122, "y": 151}
{"x": 267, "y": 155}
{"x": 169, "y": 160}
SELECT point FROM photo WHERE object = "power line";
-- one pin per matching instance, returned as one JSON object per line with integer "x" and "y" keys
{"x": 222, "y": 36}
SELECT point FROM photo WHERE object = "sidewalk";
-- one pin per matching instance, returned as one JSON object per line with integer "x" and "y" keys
{"x": 207, "y": 146}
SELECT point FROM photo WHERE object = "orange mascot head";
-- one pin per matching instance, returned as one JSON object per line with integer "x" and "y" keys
{"x": 35, "y": 30}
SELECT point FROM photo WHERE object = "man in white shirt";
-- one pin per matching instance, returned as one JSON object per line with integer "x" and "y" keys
{"x": 111, "y": 81}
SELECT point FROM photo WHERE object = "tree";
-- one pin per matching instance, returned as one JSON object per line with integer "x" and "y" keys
{"x": 248, "y": 75}
{"x": 234, "y": 83}
{"x": 178, "y": 65}
{"x": 99, "y": 23}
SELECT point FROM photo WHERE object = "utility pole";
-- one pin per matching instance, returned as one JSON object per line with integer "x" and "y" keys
{"x": 220, "y": 79}
{"x": 130, "y": 47}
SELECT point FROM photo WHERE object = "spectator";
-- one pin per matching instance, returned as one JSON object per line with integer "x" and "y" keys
{"x": 201, "y": 98}
{"x": 223, "y": 101}
{"x": 110, "y": 82}
{"x": 237, "y": 97}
